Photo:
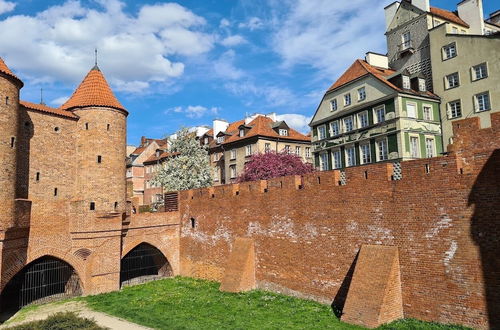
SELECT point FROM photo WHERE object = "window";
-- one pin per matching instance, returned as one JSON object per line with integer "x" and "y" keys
{"x": 108, "y": 126}
{"x": 379, "y": 114}
{"x": 436, "y": 22}
{"x": 6, "y": 100}
{"x": 92, "y": 206}
{"x": 411, "y": 110}
{"x": 350, "y": 153}
{"x": 382, "y": 151}
{"x": 37, "y": 176}
{"x": 233, "y": 154}
{"x": 334, "y": 128}
{"x": 248, "y": 150}
{"x": 99, "y": 159}
{"x": 55, "y": 191}
{"x": 297, "y": 151}
{"x": 363, "y": 119}
{"x": 205, "y": 140}
{"x": 220, "y": 139}
{"x": 452, "y": 80}
{"x": 321, "y": 132}
{"x": 12, "y": 142}
{"x": 406, "y": 82}
{"x": 347, "y": 99}
{"x": 232, "y": 170}
{"x": 405, "y": 40}
{"x": 429, "y": 147}
{"x": 87, "y": 126}
{"x": 482, "y": 102}
{"x": 333, "y": 105}
{"x": 323, "y": 162}
{"x": 348, "y": 124}
{"x": 283, "y": 132}
{"x": 449, "y": 51}
{"x": 337, "y": 159}
{"x": 421, "y": 85}
{"x": 287, "y": 149}
{"x": 308, "y": 152}
{"x": 454, "y": 109}
{"x": 267, "y": 147}
{"x": 427, "y": 111}
{"x": 479, "y": 71}
{"x": 242, "y": 132}
{"x": 361, "y": 94}
{"x": 365, "y": 153}
{"x": 454, "y": 30}
{"x": 414, "y": 146}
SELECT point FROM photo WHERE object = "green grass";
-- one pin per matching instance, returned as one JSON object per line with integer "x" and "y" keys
{"x": 60, "y": 321}
{"x": 186, "y": 303}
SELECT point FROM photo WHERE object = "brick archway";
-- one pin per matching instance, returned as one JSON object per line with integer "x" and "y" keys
{"x": 168, "y": 253}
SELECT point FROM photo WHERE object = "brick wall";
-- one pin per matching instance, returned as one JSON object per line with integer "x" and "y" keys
{"x": 442, "y": 215}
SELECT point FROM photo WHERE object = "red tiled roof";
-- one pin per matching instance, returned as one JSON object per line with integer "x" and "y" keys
{"x": 5, "y": 69}
{"x": 46, "y": 109}
{"x": 93, "y": 91}
{"x": 164, "y": 155}
{"x": 138, "y": 151}
{"x": 448, "y": 15}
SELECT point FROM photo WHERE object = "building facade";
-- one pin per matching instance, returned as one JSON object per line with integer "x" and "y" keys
{"x": 466, "y": 74}
{"x": 373, "y": 114}
{"x": 230, "y": 145}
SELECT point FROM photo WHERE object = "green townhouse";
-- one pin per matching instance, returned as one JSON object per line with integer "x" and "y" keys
{"x": 375, "y": 114}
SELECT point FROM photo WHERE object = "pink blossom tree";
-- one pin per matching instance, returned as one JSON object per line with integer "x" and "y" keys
{"x": 271, "y": 165}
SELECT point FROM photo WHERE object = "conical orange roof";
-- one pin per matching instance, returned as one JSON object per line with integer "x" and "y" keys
{"x": 93, "y": 91}
{"x": 5, "y": 69}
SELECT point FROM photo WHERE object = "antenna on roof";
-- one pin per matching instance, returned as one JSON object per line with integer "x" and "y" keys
{"x": 41, "y": 97}
{"x": 96, "y": 56}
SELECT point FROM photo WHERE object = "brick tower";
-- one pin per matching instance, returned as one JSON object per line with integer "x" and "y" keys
{"x": 9, "y": 122}
{"x": 99, "y": 203}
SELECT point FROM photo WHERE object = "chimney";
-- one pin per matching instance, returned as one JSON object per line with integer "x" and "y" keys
{"x": 378, "y": 60}
{"x": 143, "y": 141}
{"x": 219, "y": 125}
{"x": 390, "y": 12}
{"x": 471, "y": 11}
{"x": 422, "y": 5}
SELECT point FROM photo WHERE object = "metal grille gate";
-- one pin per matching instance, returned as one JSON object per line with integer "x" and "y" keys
{"x": 144, "y": 263}
{"x": 46, "y": 279}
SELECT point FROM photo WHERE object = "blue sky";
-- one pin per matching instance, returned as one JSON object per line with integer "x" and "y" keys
{"x": 184, "y": 63}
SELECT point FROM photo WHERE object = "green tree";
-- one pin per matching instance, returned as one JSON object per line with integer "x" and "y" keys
{"x": 189, "y": 166}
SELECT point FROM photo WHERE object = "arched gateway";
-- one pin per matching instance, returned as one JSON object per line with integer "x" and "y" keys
{"x": 44, "y": 279}
{"x": 143, "y": 263}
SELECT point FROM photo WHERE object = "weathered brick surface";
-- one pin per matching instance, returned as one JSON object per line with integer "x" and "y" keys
{"x": 239, "y": 272}
{"x": 444, "y": 224}
{"x": 374, "y": 296}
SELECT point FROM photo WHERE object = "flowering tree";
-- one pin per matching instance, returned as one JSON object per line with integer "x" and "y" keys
{"x": 189, "y": 169}
{"x": 271, "y": 165}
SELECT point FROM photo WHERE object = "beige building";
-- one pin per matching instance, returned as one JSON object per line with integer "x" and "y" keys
{"x": 466, "y": 75}
{"x": 230, "y": 145}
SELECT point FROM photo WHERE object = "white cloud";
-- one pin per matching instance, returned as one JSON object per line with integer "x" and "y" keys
{"x": 59, "y": 101}
{"x": 296, "y": 121}
{"x": 135, "y": 50}
{"x": 233, "y": 40}
{"x": 194, "y": 111}
{"x": 224, "y": 66}
{"x": 224, "y": 23}
{"x": 331, "y": 38}
{"x": 274, "y": 96}
{"x": 253, "y": 23}
{"x": 6, "y": 6}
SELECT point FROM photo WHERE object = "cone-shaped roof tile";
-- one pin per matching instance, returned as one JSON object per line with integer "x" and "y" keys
{"x": 5, "y": 69}
{"x": 93, "y": 91}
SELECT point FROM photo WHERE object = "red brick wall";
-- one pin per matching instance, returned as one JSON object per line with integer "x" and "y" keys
{"x": 444, "y": 223}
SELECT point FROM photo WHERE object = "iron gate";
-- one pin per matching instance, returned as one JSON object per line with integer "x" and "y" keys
{"x": 46, "y": 279}
{"x": 144, "y": 263}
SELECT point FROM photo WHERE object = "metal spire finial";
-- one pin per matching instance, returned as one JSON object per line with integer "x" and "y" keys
{"x": 41, "y": 97}
{"x": 96, "y": 56}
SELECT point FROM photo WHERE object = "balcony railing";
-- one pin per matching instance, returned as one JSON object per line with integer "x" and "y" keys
{"x": 406, "y": 46}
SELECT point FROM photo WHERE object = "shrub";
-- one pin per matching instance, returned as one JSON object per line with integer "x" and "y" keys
{"x": 61, "y": 321}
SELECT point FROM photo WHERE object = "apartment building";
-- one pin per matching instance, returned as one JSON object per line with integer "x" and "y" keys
{"x": 153, "y": 193}
{"x": 373, "y": 114}
{"x": 466, "y": 75}
{"x": 230, "y": 145}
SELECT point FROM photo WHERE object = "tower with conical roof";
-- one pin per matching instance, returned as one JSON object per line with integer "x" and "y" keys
{"x": 100, "y": 151}
{"x": 9, "y": 122}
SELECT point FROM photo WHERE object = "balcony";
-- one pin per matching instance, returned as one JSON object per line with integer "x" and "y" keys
{"x": 406, "y": 47}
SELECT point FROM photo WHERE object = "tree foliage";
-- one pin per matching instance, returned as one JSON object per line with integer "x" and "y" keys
{"x": 271, "y": 165}
{"x": 189, "y": 168}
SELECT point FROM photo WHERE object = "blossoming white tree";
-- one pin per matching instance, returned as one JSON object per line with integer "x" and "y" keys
{"x": 189, "y": 166}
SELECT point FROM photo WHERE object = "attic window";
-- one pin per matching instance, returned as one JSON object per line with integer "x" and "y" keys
{"x": 220, "y": 139}
{"x": 421, "y": 85}
{"x": 406, "y": 82}
{"x": 283, "y": 132}
{"x": 242, "y": 132}
{"x": 206, "y": 140}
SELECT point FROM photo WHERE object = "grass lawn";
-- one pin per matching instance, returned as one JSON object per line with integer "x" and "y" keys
{"x": 186, "y": 303}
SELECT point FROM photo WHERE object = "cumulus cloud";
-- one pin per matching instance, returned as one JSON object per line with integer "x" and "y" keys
{"x": 224, "y": 66}
{"x": 253, "y": 23}
{"x": 233, "y": 40}
{"x": 194, "y": 111}
{"x": 6, "y": 6}
{"x": 331, "y": 38}
{"x": 296, "y": 121}
{"x": 135, "y": 50}
{"x": 274, "y": 96}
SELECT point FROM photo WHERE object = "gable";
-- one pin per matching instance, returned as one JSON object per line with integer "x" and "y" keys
{"x": 405, "y": 13}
